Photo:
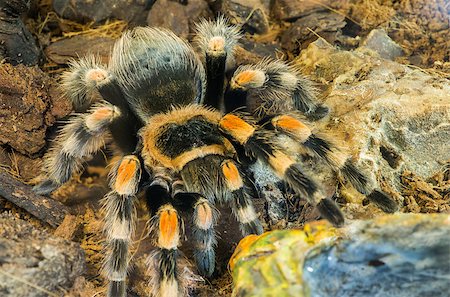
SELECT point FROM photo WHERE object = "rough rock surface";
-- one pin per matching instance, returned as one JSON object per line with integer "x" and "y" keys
{"x": 85, "y": 11}
{"x": 393, "y": 117}
{"x": 251, "y": 14}
{"x": 29, "y": 104}
{"x": 65, "y": 50}
{"x": 304, "y": 30}
{"x": 178, "y": 17}
{"x": 32, "y": 263}
{"x": 387, "y": 256}
{"x": 379, "y": 42}
{"x": 17, "y": 45}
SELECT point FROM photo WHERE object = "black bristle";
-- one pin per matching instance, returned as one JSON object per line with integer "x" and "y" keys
{"x": 299, "y": 181}
{"x": 156, "y": 195}
{"x": 320, "y": 112}
{"x": 355, "y": 177}
{"x": 119, "y": 250}
{"x": 168, "y": 263}
{"x": 117, "y": 289}
{"x": 384, "y": 202}
{"x": 320, "y": 146}
{"x": 205, "y": 260}
{"x": 330, "y": 211}
{"x": 45, "y": 187}
{"x": 253, "y": 227}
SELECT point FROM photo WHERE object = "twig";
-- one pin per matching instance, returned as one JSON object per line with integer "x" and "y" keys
{"x": 44, "y": 208}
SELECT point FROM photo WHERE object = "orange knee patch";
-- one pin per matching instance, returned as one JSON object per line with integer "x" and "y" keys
{"x": 245, "y": 77}
{"x": 280, "y": 162}
{"x": 232, "y": 176}
{"x": 204, "y": 216}
{"x": 292, "y": 125}
{"x": 127, "y": 175}
{"x": 168, "y": 236}
{"x": 248, "y": 79}
{"x": 239, "y": 129}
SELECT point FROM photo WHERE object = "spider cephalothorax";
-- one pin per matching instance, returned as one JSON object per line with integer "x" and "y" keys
{"x": 188, "y": 156}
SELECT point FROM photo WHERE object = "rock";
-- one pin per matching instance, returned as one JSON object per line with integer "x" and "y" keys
{"x": 84, "y": 11}
{"x": 394, "y": 117}
{"x": 379, "y": 41}
{"x": 177, "y": 17}
{"x": 17, "y": 45}
{"x": 291, "y": 10}
{"x": 402, "y": 255}
{"x": 33, "y": 263}
{"x": 253, "y": 15}
{"x": 326, "y": 24}
{"x": 30, "y": 103}
{"x": 65, "y": 50}
{"x": 261, "y": 49}
{"x": 393, "y": 255}
{"x": 243, "y": 56}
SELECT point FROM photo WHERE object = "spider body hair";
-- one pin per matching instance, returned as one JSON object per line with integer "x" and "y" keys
{"x": 273, "y": 87}
{"x": 189, "y": 157}
{"x": 216, "y": 42}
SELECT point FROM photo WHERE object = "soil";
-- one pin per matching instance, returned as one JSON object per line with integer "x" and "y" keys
{"x": 420, "y": 27}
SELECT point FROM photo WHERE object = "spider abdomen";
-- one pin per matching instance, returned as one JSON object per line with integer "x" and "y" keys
{"x": 156, "y": 70}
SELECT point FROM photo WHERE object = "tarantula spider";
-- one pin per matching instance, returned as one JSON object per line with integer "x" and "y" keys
{"x": 188, "y": 156}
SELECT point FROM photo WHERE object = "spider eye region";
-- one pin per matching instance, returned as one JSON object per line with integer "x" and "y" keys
{"x": 248, "y": 79}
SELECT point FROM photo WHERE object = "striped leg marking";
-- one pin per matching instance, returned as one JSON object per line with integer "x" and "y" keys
{"x": 336, "y": 159}
{"x": 242, "y": 205}
{"x": 164, "y": 261}
{"x": 119, "y": 222}
{"x": 81, "y": 80}
{"x": 258, "y": 143}
{"x": 204, "y": 220}
{"x": 81, "y": 137}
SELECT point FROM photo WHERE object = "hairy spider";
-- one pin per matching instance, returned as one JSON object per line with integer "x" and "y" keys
{"x": 188, "y": 145}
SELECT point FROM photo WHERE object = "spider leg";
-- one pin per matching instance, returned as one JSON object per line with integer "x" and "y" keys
{"x": 168, "y": 276}
{"x": 338, "y": 160}
{"x": 305, "y": 100}
{"x": 79, "y": 82}
{"x": 270, "y": 87}
{"x": 216, "y": 40}
{"x": 88, "y": 76}
{"x": 242, "y": 205}
{"x": 258, "y": 143}
{"x": 166, "y": 226}
{"x": 82, "y": 136}
{"x": 119, "y": 221}
{"x": 204, "y": 219}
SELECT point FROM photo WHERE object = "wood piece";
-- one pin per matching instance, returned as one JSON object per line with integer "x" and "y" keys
{"x": 65, "y": 50}
{"x": 43, "y": 208}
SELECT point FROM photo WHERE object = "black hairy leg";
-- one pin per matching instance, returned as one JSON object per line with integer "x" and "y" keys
{"x": 338, "y": 160}
{"x": 120, "y": 220}
{"x": 84, "y": 135}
